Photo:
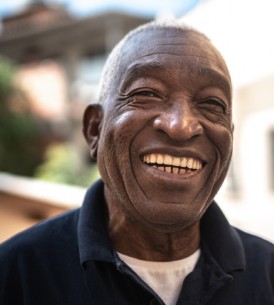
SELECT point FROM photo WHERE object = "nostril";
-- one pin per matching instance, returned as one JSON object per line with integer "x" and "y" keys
{"x": 178, "y": 129}
{"x": 196, "y": 127}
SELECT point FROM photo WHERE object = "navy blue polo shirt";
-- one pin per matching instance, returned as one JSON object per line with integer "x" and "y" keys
{"x": 69, "y": 260}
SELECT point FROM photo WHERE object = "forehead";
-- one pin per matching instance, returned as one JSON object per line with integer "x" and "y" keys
{"x": 145, "y": 42}
{"x": 185, "y": 51}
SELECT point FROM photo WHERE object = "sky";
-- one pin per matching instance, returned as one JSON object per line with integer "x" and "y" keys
{"x": 84, "y": 7}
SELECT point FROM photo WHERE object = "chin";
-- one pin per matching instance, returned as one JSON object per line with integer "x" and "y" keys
{"x": 167, "y": 217}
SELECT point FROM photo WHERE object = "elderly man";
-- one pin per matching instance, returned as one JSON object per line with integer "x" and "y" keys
{"x": 149, "y": 232}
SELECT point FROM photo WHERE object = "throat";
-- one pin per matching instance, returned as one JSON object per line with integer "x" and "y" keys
{"x": 152, "y": 245}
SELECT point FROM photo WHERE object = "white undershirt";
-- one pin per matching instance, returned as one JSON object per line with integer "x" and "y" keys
{"x": 165, "y": 278}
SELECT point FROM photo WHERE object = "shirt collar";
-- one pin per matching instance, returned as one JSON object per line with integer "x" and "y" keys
{"x": 221, "y": 239}
{"x": 94, "y": 242}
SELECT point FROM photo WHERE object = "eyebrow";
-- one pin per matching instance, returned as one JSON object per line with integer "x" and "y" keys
{"x": 141, "y": 69}
{"x": 137, "y": 69}
{"x": 218, "y": 77}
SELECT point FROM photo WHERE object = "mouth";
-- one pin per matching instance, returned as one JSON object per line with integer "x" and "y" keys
{"x": 174, "y": 165}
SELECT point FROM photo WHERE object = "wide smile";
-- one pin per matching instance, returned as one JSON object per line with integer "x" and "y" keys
{"x": 173, "y": 165}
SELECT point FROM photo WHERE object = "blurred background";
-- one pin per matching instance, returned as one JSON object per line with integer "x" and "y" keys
{"x": 51, "y": 58}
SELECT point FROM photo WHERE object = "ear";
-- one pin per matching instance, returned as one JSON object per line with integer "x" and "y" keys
{"x": 91, "y": 127}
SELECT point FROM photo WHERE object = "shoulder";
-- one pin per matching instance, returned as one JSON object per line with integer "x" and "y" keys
{"x": 251, "y": 241}
{"x": 49, "y": 234}
{"x": 258, "y": 251}
{"x": 41, "y": 259}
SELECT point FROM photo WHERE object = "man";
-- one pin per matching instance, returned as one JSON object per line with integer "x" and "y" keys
{"x": 149, "y": 232}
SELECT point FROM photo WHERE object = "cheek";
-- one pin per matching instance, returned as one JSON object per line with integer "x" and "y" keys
{"x": 115, "y": 158}
{"x": 120, "y": 121}
{"x": 124, "y": 127}
{"x": 114, "y": 144}
{"x": 222, "y": 138}
{"x": 224, "y": 143}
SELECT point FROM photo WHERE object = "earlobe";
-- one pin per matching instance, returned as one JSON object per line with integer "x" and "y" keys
{"x": 91, "y": 127}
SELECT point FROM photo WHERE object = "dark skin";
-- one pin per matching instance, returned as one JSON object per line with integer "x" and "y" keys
{"x": 171, "y": 101}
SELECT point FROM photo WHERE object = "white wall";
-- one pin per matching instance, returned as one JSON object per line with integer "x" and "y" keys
{"x": 255, "y": 158}
{"x": 243, "y": 32}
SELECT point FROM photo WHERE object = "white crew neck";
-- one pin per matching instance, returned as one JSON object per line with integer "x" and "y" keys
{"x": 165, "y": 278}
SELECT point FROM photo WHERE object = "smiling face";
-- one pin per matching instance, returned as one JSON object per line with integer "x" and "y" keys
{"x": 166, "y": 136}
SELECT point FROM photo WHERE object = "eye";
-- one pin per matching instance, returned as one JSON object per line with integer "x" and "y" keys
{"x": 144, "y": 98}
{"x": 214, "y": 105}
{"x": 147, "y": 93}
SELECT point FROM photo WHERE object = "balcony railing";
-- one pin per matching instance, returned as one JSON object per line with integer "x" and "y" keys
{"x": 26, "y": 201}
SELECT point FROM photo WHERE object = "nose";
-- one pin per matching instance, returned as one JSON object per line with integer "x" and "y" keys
{"x": 180, "y": 123}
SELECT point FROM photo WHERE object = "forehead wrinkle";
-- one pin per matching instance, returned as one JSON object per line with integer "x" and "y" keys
{"x": 138, "y": 68}
{"x": 180, "y": 42}
{"x": 191, "y": 55}
{"x": 182, "y": 45}
{"x": 143, "y": 66}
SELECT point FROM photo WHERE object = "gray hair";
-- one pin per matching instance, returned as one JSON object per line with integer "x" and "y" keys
{"x": 115, "y": 57}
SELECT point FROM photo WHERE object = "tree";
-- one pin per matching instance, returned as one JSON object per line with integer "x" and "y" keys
{"x": 19, "y": 132}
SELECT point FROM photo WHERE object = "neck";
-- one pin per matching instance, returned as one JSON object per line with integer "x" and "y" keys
{"x": 149, "y": 242}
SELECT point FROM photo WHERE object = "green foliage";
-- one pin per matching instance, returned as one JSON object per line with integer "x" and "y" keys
{"x": 63, "y": 165}
{"x": 19, "y": 139}
{"x": 18, "y": 151}
{"x": 6, "y": 79}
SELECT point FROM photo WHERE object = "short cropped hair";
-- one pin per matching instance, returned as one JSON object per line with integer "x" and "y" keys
{"x": 115, "y": 57}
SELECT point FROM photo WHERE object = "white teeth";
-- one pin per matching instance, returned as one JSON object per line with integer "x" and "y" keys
{"x": 176, "y": 161}
{"x": 183, "y": 162}
{"x": 198, "y": 165}
{"x": 190, "y": 163}
{"x": 172, "y": 164}
{"x": 175, "y": 170}
{"x": 153, "y": 158}
{"x": 168, "y": 169}
{"x": 160, "y": 159}
{"x": 167, "y": 160}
